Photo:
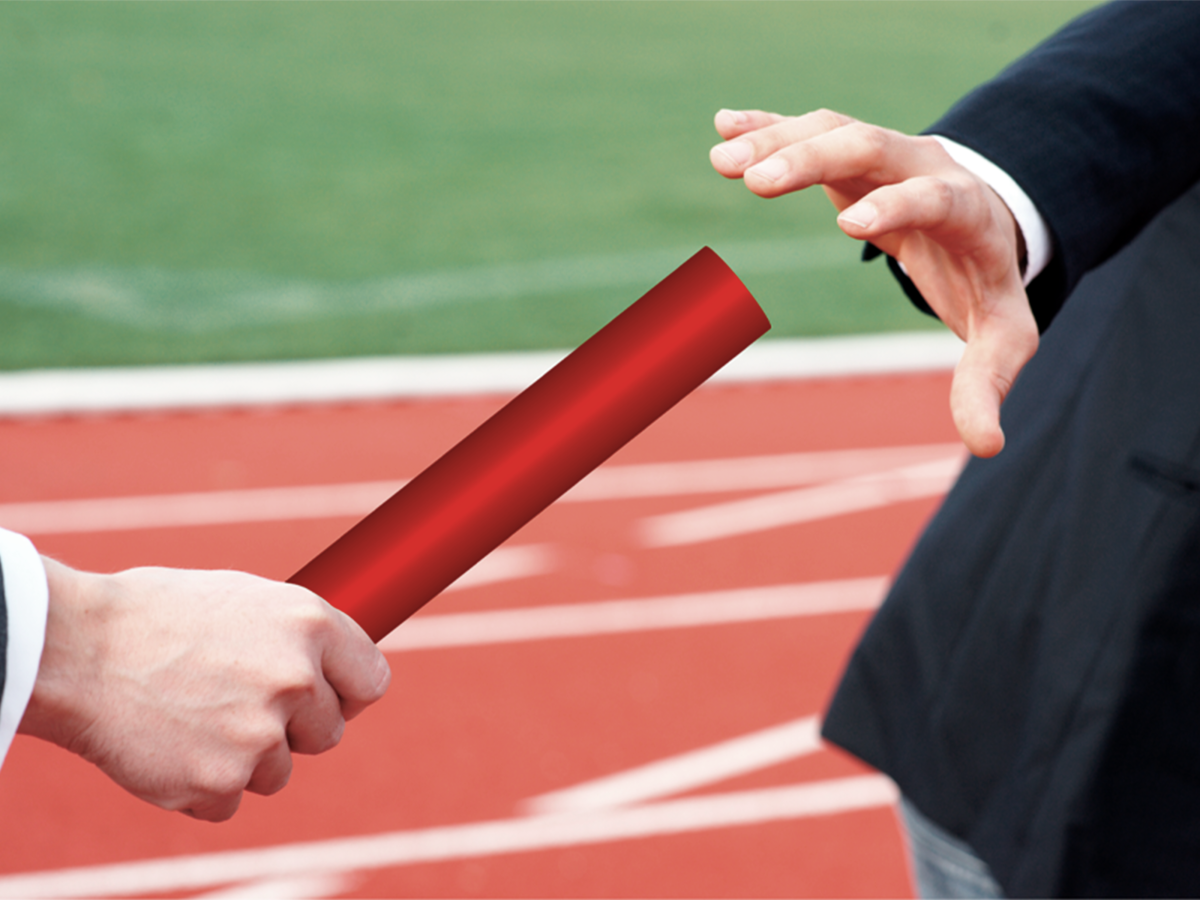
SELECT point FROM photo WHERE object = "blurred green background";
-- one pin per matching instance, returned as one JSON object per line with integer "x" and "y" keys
{"x": 187, "y": 182}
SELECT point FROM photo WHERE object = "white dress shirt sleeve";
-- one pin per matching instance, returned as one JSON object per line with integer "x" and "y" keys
{"x": 27, "y": 600}
{"x": 1038, "y": 247}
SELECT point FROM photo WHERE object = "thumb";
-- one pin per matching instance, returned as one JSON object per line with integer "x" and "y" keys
{"x": 990, "y": 363}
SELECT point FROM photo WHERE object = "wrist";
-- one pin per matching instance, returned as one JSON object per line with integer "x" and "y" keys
{"x": 79, "y": 613}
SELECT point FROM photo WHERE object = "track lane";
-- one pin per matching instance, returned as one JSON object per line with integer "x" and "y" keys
{"x": 469, "y": 734}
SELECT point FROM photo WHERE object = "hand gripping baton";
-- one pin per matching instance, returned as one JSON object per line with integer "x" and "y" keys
{"x": 538, "y": 446}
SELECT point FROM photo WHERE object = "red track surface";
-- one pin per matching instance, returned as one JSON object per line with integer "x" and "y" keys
{"x": 469, "y": 733}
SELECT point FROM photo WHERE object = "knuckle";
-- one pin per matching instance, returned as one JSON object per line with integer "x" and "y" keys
{"x": 943, "y": 189}
{"x": 222, "y": 812}
{"x": 274, "y": 787}
{"x": 867, "y": 147}
{"x": 759, "y": 146}
{"x": 1002, "y": 383}
{"x": 942, "y": 195}
{"x": 1027, "y": 342}
{"x": 311, "y": 615}
{"x": 251, "y": 735}
{"x": 933, "y": 200}
{"x": 299, "y": 680}
{"x": 870, "y": 139}
{"x": 207, "y": 813}
{"x": 220, "y": 778}
{"x": 315, "y": 730}
{"x": 829, "y": 119}
{"x": 273, "y": 784}
{"x": 332, "y": 738}
{"x": 930, "y": 144}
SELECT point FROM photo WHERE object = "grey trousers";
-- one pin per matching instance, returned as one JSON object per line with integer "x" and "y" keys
{"x": 942, "y": 865}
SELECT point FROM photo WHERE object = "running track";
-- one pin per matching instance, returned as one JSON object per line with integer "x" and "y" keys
{"x": 622, "y": 701}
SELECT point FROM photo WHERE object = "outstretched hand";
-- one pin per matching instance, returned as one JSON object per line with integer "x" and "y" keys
{"x": 956, "y": 238}
{"x": 188, "y": 688}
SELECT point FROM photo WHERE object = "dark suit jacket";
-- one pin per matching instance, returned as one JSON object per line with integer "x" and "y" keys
{"x": 1099, "y": 126}
{"x": 1033, "y": 680}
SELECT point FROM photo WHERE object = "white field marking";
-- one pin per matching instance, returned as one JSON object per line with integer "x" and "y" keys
{"x": 516, "y": 835}
{"x": 686, "y": 771}
{"x": 205, "y": 301}
{"x": 508, "y": 564}
{"x": 359, "y": 498}
{"x": 538, "y": 623}
{"x": 777, "y": 510}
{"x": 118, "y": 389}
{"x": 313, "y": 886}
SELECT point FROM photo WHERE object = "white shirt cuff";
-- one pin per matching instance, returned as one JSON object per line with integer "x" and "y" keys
{"x": 26, "y": 598}
{"x": 1038, "y": 248}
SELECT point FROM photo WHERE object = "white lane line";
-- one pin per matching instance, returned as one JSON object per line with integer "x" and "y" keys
{"x": 318, "y": 501}
{"x": 401, "y": 848}
{"x": 777, "y": 510}
{"x": 359, "y": 498}
{"x": 314, "y": 886}
{"x": 685, "y": 772}
{"x": 133, "y": 388}
{"x": 504, "y": 626}
{"x": 747, "y": 473}
{"x": 509, "y": 564}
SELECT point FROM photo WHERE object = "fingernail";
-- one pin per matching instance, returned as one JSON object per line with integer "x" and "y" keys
{"x": 771, "y": 169}
{"x": 862, "y": 215}
{"x": 383, "y": 674}
{"x": 739, "y": 118}
{"x": 737, "y": 152}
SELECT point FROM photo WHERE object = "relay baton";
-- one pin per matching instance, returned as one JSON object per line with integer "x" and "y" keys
{"x": 538, "y": 446}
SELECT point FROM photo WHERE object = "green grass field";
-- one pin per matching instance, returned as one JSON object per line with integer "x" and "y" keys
{"x": 188, "y": 182}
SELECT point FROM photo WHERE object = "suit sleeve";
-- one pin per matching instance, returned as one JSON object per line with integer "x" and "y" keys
{"x": 23, "y": 605}
{"x": 1099, "y": 126}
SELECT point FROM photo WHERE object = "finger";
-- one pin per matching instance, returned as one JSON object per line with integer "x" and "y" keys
{"x": 751, "y": 148}
{"x": 989, "y": 366}
{"x": 215, "y": 808}
{"x": 354, "y": 667}
{"x": 975, "y": 405}
{"x": 273, "y": 771}
{"x": 924, "y": 203}
{"x": 317, "y": 723}
{"x": 732, "y": 122}
{"x": 955, "y": 211}
{"x": 854, "y": 152}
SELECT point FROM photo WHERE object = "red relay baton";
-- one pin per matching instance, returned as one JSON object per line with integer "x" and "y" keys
{"x": 538, "y": 446}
